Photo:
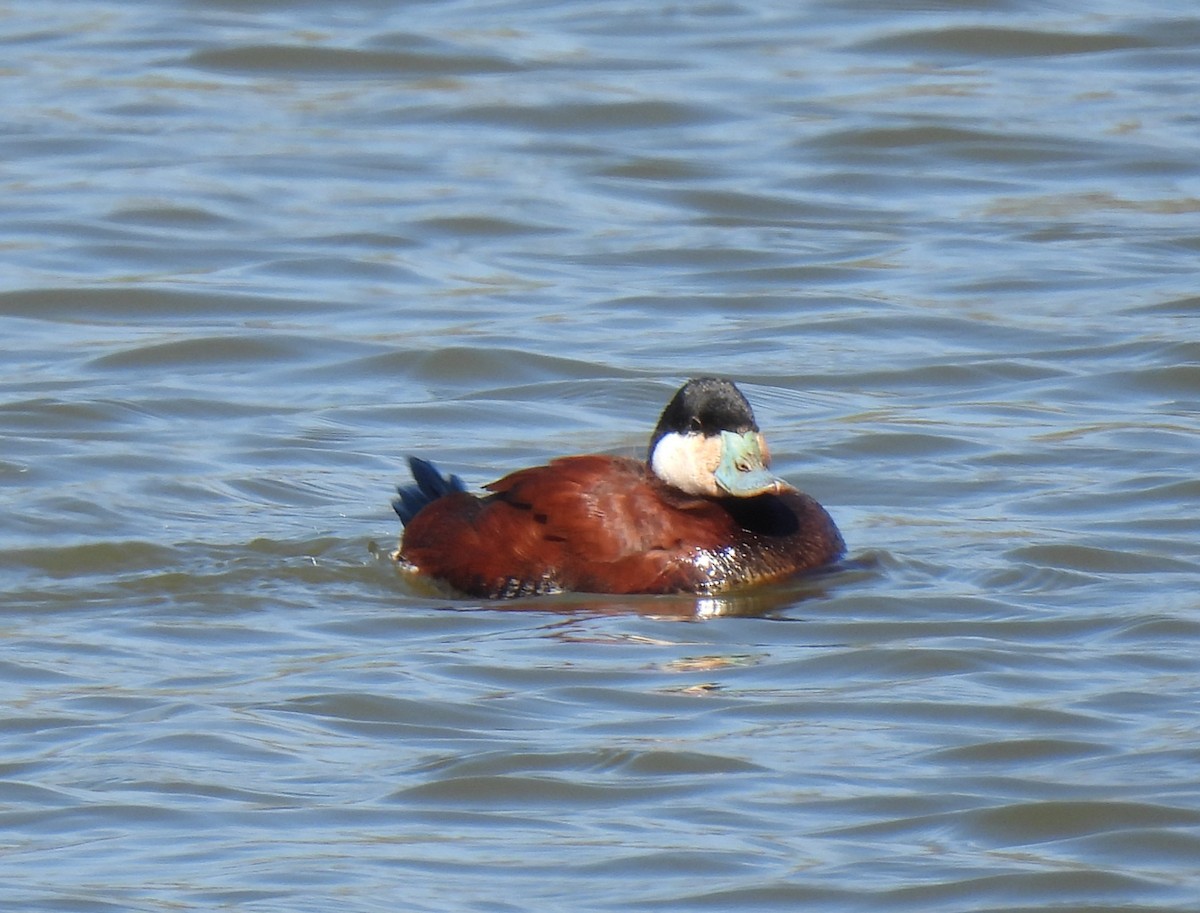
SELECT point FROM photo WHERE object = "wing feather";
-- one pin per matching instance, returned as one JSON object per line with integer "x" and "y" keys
{"x": 579, "y": 523}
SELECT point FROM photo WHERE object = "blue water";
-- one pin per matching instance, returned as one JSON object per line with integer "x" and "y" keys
{"x": 254, "y": 255}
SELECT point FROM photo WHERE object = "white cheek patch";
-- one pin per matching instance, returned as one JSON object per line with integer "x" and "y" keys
{"x": 688, "y": 461}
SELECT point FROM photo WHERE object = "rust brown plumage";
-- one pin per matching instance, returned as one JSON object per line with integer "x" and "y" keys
{"x": 606, "y": 524}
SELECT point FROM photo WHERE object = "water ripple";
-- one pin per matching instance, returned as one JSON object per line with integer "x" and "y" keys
{"x": 257, "y": 255}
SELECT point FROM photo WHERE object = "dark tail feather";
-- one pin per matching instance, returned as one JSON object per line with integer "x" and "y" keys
{"x": 430, "y": 485}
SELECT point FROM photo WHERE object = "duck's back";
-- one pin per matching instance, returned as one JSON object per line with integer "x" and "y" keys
{"x": 608, "y": 525}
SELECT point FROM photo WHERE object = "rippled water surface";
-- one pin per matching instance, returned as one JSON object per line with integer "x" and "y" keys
{"x": 254, "y": 254}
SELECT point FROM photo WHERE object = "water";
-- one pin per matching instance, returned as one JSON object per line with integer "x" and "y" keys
{"x": 253, "y": 255}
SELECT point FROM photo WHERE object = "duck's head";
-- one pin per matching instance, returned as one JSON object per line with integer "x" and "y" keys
{"x": 707, "y": 443}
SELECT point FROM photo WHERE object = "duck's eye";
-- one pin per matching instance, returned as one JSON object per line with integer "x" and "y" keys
{"x": 695, "y": 424}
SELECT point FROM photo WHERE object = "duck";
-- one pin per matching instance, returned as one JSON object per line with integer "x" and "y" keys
{"x": 702, "y": 514}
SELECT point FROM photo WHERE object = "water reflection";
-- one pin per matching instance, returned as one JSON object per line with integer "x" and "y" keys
{"x": 776, "y": 600}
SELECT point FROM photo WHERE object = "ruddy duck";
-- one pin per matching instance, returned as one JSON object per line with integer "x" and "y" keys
{"x": 702, "y": 515}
